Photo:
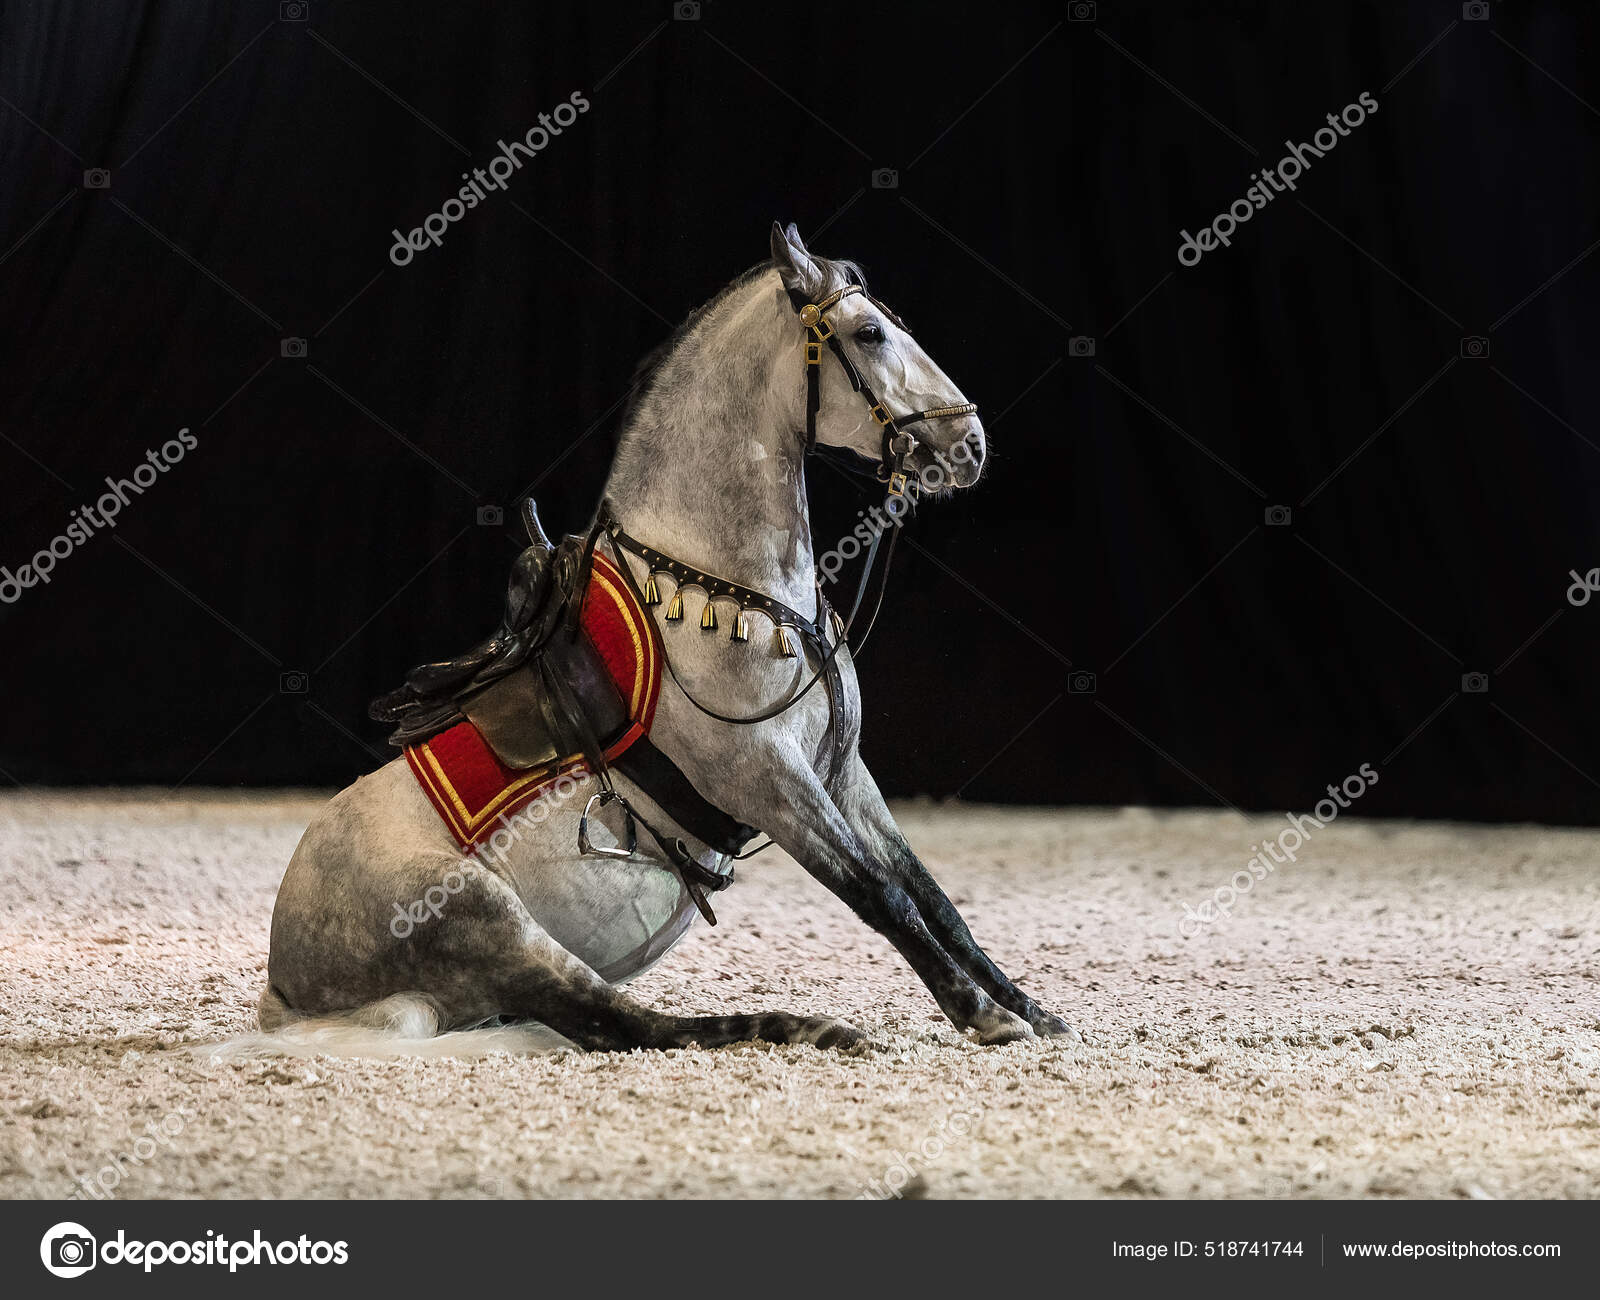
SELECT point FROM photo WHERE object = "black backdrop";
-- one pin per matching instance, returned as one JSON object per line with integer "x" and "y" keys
{"x": 1047, "y": 156}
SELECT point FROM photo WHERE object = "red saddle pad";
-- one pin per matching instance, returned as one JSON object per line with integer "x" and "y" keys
{"x": 474, "y": 792}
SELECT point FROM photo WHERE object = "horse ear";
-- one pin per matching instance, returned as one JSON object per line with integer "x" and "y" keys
{"x": 797, "y": 267}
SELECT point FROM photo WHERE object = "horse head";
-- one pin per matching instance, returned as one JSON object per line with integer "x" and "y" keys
{"x": 881, "y": 361}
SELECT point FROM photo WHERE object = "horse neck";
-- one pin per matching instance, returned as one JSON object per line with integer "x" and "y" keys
{"x": 709, "y": 468}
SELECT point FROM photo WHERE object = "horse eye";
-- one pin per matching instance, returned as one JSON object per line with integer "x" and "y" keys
{"x": 869, "y": 334}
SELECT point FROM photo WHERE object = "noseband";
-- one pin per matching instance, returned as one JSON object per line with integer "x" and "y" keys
{"x": 898, "y": 445}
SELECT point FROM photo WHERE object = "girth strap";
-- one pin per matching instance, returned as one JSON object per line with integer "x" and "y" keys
{"x": 663, "y": 780}
{"x": 658, "y": 777}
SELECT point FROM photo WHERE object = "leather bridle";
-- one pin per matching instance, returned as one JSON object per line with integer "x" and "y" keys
{"x": 898, "y": 445}
{"x": 898, "y": 448}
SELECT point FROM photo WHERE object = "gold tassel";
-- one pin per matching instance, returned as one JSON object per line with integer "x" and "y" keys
{"x": 652, "y": 593}
{"x": 708, "y": 617}
{"x": 675, "y": 608}
{"x": 786, "y": 643}
{"x": 741, "y": 628}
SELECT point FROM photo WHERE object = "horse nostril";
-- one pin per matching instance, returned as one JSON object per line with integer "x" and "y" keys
{"x": 970, "y": 447}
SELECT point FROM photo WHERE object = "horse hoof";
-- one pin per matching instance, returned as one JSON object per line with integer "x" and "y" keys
{"x": 1003, "y": 1027}
{"x": 836, "y": 1033}
{"x": 1048, "y": 1026}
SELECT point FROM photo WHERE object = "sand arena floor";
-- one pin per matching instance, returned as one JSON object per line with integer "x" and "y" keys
{"x": 1408, "y": 1010}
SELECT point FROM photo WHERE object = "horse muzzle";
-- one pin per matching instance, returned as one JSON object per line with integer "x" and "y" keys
{"x": 954, "y": 458}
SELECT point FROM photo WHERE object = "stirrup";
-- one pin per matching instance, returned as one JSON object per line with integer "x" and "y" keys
{"x": 592, "y": 850}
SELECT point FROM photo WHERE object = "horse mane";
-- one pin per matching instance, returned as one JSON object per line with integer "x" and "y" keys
{"x": 839, "y": 272}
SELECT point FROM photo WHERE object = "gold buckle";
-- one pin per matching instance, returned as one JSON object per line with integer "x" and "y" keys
{"x": 897, "y": 484}
{"x": 822, "y": 329}
{"x": 880, "y": 413}
{"x": 813, "y": 354}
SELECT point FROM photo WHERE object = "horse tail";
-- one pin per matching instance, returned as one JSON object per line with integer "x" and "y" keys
{"x": 404, "y": 1024}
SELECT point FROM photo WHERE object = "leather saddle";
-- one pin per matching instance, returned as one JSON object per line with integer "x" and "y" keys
{"x": 536, "y": 688}
{"x": 538, "y": 691}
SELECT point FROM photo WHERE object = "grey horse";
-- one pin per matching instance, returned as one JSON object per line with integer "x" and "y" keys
{"x": 709, "y": 467}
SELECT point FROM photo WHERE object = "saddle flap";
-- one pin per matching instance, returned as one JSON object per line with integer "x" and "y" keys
{"x": 510, "y": 715}
{"x": 528, "y": 722}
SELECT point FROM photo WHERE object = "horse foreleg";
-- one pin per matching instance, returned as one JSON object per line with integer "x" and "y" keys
{"x": 807, "y": 824}
{"x": 864, "y": 805}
